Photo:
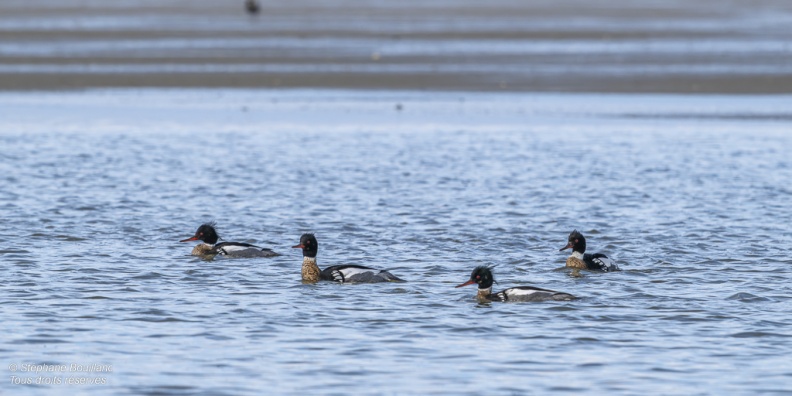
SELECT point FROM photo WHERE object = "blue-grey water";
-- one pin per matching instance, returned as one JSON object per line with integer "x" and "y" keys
{"x": 689, "y": 194}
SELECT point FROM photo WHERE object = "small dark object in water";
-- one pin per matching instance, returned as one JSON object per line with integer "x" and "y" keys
{"x": 252, "y": 6}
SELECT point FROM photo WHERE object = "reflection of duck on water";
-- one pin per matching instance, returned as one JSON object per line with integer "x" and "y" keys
{"x": 252, "y": 6}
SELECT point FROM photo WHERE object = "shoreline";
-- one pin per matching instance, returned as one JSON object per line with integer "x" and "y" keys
{"x": 438, "y": 45}
{"x": 712, "y": 85}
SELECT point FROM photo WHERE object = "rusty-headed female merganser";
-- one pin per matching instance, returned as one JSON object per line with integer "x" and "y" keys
{"x": 337, "y": 273}
{"x": 482, "y": 275}
{"x": 582, "y": 260}
{"x": 206, "y": 232}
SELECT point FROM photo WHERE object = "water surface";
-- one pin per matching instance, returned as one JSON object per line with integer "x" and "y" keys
{"x": 690, "y": 195}
{"x": 498, "y": 45}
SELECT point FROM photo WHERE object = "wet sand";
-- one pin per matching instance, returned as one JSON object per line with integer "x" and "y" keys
{"x": 543, "y": 46}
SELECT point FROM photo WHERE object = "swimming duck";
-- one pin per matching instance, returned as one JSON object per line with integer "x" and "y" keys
{"x": 337, "y": 273}
{"x": 482, "y": 275}
{"x": 207, "y": 233}
{"x": 582, "y": 260}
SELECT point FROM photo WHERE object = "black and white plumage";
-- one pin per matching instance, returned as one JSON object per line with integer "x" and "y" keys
{"x": 482, "y": 276}
{"x": 582, "y": 260}
{"x": 337, "y": 273}
{"x": 208, "y": 234}
{"x": 357, "y": 274}
{"x": 240, "y": 249}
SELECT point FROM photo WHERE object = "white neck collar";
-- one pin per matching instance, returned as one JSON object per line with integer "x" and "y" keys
{"x": 577, "y": 255}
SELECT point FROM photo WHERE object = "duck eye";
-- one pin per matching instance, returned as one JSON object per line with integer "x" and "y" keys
{"x": 478, "y": 276}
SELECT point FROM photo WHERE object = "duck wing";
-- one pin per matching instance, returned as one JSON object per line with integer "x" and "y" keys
{"x": 357, "y": 274}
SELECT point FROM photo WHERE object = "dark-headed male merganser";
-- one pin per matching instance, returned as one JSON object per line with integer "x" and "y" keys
{"x": 337, "y": 273}
{"x": 582, "y": 260}
{"x": 482, "y": 275}
{"x": 206, "y": 232}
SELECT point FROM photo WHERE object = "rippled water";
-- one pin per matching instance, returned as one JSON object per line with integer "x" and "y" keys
{"x": 690, "y": 195}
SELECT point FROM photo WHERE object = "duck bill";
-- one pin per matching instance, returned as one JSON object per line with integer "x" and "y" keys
{"x": 300, "y": 246}
{"x": 569, "y": 245}
{"x": 189, "y": 239}
{"x": 470, "y": 282}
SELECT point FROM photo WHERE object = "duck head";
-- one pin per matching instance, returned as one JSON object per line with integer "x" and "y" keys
{"x": 308, "y": 244}
{"x": 481, "y": 275}
{"x": 576, "y": 241}
{"x": 206, "y": 232}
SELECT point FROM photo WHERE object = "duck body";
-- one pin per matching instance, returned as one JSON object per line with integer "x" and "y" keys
{"x": 592, "y": 262}
{"x": 357, "y": 274}
{"x": 528, "y": 294}
{"x": 338, "y": 273}
{"x": 203, "y": 249}
{"x": 240, "y": 249}
{"x": 581, "y": 260}
{"x": 483, "y": 277}
{"x": 210, "y": 247}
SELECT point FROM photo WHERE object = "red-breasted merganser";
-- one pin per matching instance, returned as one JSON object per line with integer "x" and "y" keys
{"x": 582, "y": 260}
{"x": 337, "y": 273}
{"x": 208, "y": 234}
{"x": 482, "y": 276}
